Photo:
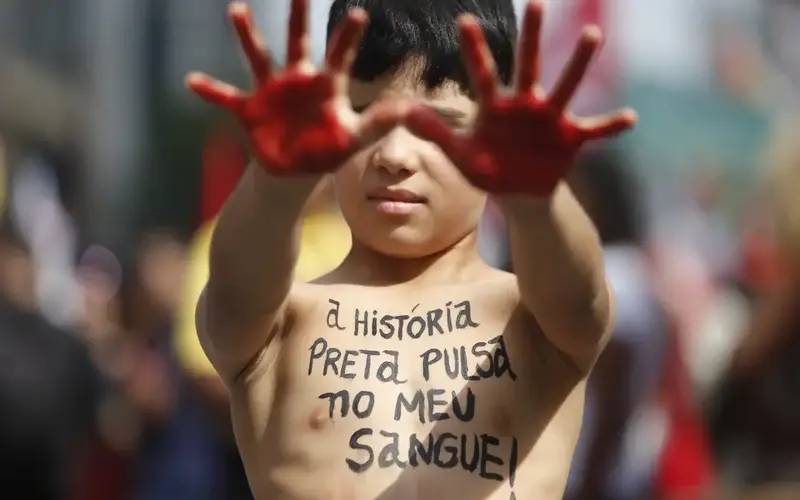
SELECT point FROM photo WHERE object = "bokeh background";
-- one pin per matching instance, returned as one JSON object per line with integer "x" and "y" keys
{"x": 111, "y": 174}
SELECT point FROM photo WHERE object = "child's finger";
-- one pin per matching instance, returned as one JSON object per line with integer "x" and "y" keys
{"x": 608, "y": 126}
{"x": 478, "y": 58}
{"x": 379, "y": 119}
{"x": 259, "y": 60}
{"x": 216, "y": 92}
{"x": 424, "y": 122}
{"x": 298, "y": 35}
{"x": 528, "y": 58}
{"x": 346, "y": 40}
{"x": 576, "y": 69}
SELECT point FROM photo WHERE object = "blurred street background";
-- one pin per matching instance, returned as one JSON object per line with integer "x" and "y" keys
{"x": 111, "y": 175}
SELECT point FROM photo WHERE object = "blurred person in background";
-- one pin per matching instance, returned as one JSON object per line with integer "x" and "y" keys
{"x": 108, "y": 462}
{"x": 48, "y": 387}
{"x": 757, "y": 422}
{"x": 42, "y": 201}
{"x": 696, "y": 254}
{"x": 180, "y": 451}
{"x": 620, "y": 443}
{"x": 158, "y": 439}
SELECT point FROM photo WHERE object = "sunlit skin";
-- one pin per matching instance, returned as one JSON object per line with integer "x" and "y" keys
{"x": 412, "y": 167}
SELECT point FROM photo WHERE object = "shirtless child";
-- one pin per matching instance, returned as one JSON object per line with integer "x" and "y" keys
{"x": 414, "y": 370}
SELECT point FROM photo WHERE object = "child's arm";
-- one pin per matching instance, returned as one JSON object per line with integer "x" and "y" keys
{"x": 301, "y": 125}
{"x": 253, "y": 254}
{"x": 521, "y": 148}
{"x": 557, "y": 257}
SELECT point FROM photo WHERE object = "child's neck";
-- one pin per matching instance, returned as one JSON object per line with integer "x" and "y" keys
{"x": 459, "y": 262}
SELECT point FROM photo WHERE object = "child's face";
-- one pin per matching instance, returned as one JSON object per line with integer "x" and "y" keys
{"x": 402, "y": 196}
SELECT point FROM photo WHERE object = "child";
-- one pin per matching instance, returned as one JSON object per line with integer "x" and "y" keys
{"x": 413, "y": 370}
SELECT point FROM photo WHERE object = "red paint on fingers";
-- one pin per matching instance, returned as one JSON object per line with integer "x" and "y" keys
{"x": 298, "y": 36}
{"x": 292, "y": 119}
{"x": 528, "y": 57}
{"x": 294, "y": 127}
{"x": 243, "y": 23}
{"x": 345, "y": 41}
{"x": 609, "y": 126}
{"x": 522, "y": 147}
{"x": 522, "y": 144}
{"x": 478, "y": 58}
{"x": 576, "y": 68}
{"x": 216, "y": 92}
{"x": 427, "y": 124}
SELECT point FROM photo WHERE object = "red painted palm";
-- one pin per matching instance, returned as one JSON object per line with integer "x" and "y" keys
{"x": 299, "y": 120}
{"x": 522, "y": 141}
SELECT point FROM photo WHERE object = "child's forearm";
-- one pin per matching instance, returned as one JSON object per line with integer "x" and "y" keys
{"x": 255, "y": 244}
{"x": 558, "y": 260}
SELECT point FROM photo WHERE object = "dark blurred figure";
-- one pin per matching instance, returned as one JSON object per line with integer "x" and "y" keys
{"x": 48, "y": 388}
{"x": 620, "y": 444}
{"x": 183, "y": 452}
{"x": 159, "y": 439}
{"x": 758, "y": 420}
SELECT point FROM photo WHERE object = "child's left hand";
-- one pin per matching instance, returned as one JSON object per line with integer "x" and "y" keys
{"x": 523, "y": 143}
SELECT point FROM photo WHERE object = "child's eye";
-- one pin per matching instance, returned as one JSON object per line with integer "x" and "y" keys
{"x": 456, "y": 121}
{"x": 459, "y": 124}
{"x": 361, "y": 108}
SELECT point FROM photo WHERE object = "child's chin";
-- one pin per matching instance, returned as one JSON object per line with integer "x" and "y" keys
{"x": 405, "y": 243}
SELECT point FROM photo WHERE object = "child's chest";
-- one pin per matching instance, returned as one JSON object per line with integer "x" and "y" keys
{"x": 387, "y": 345}
{"x": 416, "y": 391}
{"x": 452, "y": 341}
{"x": 409, "y": 370}
{"x": 400, "y": 376}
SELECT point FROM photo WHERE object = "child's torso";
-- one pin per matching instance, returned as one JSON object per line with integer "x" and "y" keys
{"x": 377, "y": 393}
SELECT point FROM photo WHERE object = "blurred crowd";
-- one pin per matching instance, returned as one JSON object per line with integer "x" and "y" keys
{"x": 105, "y": 393}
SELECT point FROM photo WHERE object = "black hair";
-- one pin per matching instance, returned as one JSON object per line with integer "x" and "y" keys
{"x": 400, "y": 29}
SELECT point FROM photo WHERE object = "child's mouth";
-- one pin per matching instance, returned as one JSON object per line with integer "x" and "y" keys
{"x": 394, "y": 207}
{"x": 395, "y": 201}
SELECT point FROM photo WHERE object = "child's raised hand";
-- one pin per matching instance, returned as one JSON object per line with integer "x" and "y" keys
{"x": 523, "y": 143}
{"x": 300, "y": 120}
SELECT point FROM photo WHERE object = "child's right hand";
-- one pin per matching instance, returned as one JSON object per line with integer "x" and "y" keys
{"x": 300, "y": 121}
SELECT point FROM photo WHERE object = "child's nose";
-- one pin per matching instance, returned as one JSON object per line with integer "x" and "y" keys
{"x": 394, "y": 154}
